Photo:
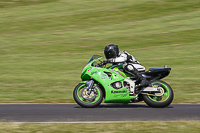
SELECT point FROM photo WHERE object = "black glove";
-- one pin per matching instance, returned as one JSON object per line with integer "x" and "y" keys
{"x": 108, "y": 60}
{"x": 102, "y": 63}
{"x": 105, "y": 61}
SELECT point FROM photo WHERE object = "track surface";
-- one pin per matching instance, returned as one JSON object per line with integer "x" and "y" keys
{"x": 105, "y": 112}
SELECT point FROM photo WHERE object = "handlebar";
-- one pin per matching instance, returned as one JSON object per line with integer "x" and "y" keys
{"x": 101, "y": 64}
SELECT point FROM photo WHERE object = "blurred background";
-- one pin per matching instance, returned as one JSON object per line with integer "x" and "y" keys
{"x": 44, "y": 44}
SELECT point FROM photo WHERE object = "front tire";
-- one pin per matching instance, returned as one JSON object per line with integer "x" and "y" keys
{"x": 86, "y": 100}
{"x": 157, "y": 100}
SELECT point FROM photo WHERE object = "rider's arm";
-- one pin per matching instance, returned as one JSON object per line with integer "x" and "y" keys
{"x": 131, "y": 58}
{"x": 122, "y": 58}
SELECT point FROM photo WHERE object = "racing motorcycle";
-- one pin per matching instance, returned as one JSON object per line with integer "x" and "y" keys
{"x": 113, "y": 85}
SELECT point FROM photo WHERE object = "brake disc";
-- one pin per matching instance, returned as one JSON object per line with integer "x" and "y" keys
{"x": 88, "y": 95}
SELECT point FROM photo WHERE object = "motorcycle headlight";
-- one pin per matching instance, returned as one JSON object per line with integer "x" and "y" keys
{"x": 117, "y": 85}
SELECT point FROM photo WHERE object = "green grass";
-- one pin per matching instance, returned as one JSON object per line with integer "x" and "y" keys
{"x": 126, "y": 127}
{"x": 44, "y": 44}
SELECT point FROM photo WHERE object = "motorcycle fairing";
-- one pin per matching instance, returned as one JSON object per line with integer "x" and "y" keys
{"x": 111, "y": 94}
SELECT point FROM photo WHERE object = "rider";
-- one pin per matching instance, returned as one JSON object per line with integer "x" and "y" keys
{"x": 113, "y": 55}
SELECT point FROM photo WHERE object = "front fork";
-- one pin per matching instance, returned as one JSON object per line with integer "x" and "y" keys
{"x": 89, "y": 85}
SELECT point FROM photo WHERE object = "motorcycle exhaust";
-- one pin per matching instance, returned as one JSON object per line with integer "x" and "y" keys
{"x": 150, "y": 89}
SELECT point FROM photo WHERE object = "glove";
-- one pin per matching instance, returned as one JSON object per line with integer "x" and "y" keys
{"x": 108, "y": 61}
{"x": 105, "y": 61}
{"x": 102, "y": 63}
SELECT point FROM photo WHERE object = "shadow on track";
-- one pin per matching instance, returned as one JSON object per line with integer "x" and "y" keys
{"x": 121, "y": 105}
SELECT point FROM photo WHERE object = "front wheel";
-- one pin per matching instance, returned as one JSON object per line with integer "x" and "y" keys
{"x": 87, "y": 98}
{"x": 162, "y": 99}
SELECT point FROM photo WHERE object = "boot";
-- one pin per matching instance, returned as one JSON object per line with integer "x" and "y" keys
{"x": 144, "y": 82}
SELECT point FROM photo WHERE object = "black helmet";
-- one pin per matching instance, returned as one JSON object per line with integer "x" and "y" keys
{"x": 111, "y": 51}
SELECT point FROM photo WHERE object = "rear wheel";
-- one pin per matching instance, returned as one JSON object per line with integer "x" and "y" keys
{"x": 161, "y": 99}
{"x": 87, "y": 98}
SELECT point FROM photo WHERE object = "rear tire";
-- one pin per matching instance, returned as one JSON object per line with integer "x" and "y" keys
{"x": 84, "y": 102}
{"x": 160, "y": 101}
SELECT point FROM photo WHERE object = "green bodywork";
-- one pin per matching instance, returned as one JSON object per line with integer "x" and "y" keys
{"x": 98, "y": 74}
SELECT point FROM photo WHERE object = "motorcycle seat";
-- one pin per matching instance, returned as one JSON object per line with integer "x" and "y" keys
{"x": 157, "y": 71}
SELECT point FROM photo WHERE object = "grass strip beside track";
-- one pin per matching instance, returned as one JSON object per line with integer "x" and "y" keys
{"x": 128, "y": 127}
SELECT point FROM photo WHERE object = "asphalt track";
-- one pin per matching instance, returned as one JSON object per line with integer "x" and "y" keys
{"x": 103, "y": 113}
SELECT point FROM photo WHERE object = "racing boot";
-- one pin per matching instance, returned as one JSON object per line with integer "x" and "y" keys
{"x": 131, "y": 69}
{"x": 144, "y": 82}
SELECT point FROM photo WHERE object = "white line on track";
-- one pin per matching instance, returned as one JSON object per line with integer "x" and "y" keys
{"x": 72, "y": 122}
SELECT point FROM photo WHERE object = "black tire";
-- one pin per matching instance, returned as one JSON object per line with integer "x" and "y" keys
{"x": 149, "y": 100}
{"x": 87, "y": 104}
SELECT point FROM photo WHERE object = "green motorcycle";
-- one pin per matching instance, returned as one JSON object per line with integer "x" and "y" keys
{"x": 113, "y": 85}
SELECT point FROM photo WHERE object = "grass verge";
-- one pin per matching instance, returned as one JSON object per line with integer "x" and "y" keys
{"x": 126, "y": 127}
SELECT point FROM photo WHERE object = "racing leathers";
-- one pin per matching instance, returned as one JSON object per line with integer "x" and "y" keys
{"x": 128, "y": 61}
